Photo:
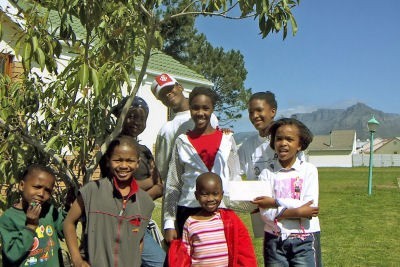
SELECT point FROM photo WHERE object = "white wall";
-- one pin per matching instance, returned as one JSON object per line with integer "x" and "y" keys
{"x": 331, "y": 161}
{"x": 158, "y": 115}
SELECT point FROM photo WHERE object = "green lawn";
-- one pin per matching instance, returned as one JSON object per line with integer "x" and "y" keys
{"x": 356, "y": 229}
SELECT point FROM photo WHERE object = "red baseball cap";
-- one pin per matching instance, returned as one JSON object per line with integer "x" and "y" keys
{"x": 161, "y": 81}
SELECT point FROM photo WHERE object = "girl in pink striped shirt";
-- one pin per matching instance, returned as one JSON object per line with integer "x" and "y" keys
{"x": 212, "y": 235}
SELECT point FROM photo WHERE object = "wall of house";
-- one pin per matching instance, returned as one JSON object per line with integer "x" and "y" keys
{"x": 379, "y": 160}
{"x": 331, "y": 160}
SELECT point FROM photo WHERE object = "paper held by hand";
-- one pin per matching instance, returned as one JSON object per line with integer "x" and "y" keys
{"x": 249, "y": 190}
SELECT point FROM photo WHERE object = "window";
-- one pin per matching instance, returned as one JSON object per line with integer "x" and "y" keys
{"x": 5, "y": 64}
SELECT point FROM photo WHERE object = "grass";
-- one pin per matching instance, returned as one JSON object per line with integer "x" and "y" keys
{"x": 357, "y": 229}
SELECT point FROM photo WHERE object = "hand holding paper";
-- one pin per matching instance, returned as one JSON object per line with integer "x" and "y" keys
{"x": 264, "y": 202}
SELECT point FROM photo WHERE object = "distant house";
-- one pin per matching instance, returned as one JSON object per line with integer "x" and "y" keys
{"x": 159, "y": 63}
{"x": 333, "y": 150}
{"x": 391, "y": 146}
{"x": 378, "y": 142}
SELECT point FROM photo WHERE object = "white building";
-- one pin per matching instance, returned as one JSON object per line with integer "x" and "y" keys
{"x": 333, "y": 150}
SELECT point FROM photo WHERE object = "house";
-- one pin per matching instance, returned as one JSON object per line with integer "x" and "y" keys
{"x": 333, "y": 150}
{"x": 159, "y": 63}
{"x": 391, "y": 146}
{"x": 378, "y": 142}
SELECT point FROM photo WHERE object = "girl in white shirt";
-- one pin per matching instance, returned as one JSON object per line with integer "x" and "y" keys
{"x": 200, "y": 150}
{"x": 290, "y": 213}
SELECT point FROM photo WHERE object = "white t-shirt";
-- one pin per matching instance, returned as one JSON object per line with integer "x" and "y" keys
{"x": 255, "y": 155}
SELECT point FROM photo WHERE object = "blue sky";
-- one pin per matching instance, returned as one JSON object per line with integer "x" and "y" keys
{"x": 343, "y": 53}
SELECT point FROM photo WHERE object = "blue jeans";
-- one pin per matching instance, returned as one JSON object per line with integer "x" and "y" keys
{"x": 152, "y": 255}
{"x": 293, "y": 251}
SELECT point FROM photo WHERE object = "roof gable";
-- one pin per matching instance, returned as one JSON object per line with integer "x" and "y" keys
{"x": 336, "y": 140}
{"x": 386, "y": 143}
{"x": 162, "y": 63}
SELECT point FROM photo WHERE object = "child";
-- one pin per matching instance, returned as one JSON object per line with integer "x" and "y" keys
{"x": 292, "y": 230}
{"x": 116, "y": 211}
{"x": 147, "y": 176}
{"x": 214, "y": 236}
{"x": 31, "y": 228}
{"x": 255, "y": 151}
{"x": 200, "y": 150}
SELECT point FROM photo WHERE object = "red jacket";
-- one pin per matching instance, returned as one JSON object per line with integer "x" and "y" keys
{"x": 240, "y": 248}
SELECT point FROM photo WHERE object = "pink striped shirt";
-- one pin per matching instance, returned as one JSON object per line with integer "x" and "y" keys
{"x": 205, "y": 241}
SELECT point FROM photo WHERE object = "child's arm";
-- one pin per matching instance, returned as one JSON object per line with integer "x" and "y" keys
{"x": 17, "y": 242}
{"x": 185, "y": 238}
{"x": 266, "y": 201}
{"x": 157, "y": 189}
{"x": 172, "y": 193}
{"x": 304, "y": 211}
{"x": 71, "y": 238}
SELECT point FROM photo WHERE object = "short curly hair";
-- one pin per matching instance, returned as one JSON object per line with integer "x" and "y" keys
{"x": 37, "y": 167}
{"x": 204, "y": 91}
{"x": 267, "y": 96}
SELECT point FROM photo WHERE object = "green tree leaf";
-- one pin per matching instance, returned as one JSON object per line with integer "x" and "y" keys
{"x": 83, "y": 75}
{"x": 41, "y": 58}
{"x": 95, "y": 81}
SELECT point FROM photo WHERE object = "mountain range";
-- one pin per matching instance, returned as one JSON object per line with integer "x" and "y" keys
{"x": 323, "y": 121}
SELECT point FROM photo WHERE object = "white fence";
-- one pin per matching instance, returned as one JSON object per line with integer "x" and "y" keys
{"x": 379, "y": 160}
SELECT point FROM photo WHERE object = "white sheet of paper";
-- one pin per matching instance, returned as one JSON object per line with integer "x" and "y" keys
{"x": 248, "y": 190}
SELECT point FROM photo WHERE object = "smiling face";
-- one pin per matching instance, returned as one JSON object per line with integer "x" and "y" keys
{"x": 135, "y": 122}
{"x": 261, "y": 114}
{"x": 287, "y": 144}
{"x": 37, "y": 187}
{"x": 123, "y": 162}
{"x": 201, "y": 109}
{"x": 209, "y": 193}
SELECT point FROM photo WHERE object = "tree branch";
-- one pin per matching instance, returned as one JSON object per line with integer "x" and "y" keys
{"x": 71, "y": 178}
